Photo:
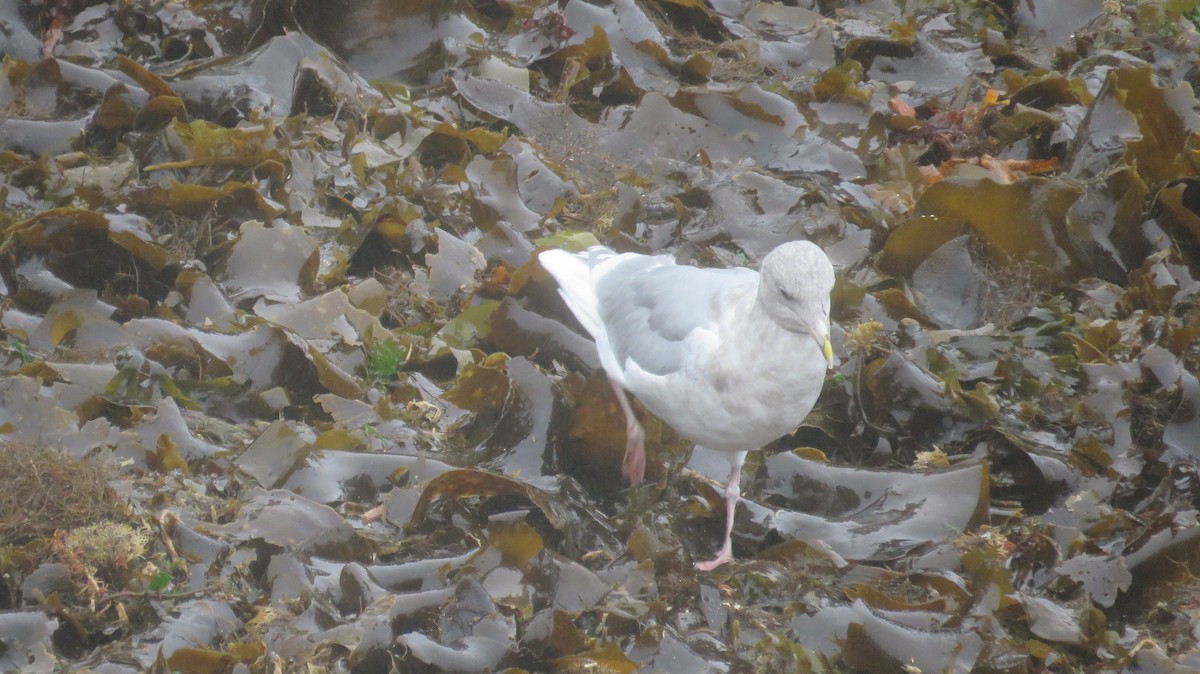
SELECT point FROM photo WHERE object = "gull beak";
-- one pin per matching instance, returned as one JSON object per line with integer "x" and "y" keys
{"x": 821, "y": 335}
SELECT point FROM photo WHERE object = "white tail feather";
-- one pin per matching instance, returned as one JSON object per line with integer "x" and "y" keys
{"x": 576, "y": 274}
{"x": 576, "y": 286}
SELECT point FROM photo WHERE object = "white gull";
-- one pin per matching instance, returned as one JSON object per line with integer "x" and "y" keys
{"x": 730, "y": 358}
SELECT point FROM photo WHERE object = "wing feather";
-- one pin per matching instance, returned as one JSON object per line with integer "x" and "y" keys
{"x": 648, "y": 312}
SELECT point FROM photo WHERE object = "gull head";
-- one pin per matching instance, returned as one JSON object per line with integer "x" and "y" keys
{"x": 794, "y": 289}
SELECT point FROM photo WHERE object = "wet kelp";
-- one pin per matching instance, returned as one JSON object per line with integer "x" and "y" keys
{"x": 287, "y": 385}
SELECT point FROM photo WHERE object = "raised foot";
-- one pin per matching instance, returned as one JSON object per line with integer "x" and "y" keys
{"x": 633, "y": 466}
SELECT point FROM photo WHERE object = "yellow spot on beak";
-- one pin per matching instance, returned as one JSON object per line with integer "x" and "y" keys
{"x": 828, "y": 352}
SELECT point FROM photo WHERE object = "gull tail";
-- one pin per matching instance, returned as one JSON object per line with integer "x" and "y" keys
{"x": 577, "y": 286}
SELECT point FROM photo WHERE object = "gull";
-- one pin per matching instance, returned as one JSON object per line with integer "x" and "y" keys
{"x": 730, "y": 358}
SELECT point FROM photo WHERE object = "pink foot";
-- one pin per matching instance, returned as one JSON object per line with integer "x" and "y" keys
{"x": 733, "y": 492}
{"x": 633, "y": 466}
{"x": 725, "y": 555}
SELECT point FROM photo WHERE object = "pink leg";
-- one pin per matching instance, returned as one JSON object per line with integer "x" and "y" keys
{"x": 733, "y": 492}
{"x": 633, "y": 466}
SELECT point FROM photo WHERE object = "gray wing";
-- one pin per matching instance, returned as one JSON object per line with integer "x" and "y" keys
{"x": 648, "y": 309}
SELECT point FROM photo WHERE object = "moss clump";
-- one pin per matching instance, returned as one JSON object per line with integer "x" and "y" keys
{"x": 104, "y": 546}
{"x": 865, "y": 336}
